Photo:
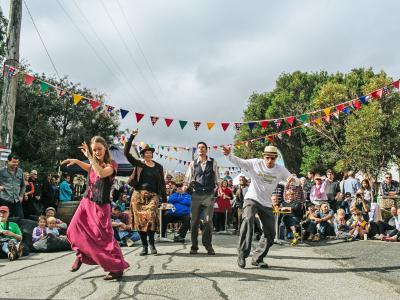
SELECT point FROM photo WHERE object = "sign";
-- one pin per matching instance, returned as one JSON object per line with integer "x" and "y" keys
{"x": 4, "y": 153}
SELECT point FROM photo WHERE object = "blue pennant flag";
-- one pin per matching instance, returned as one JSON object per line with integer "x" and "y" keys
{"x": 364, "y": 99}
{"x": 123, "y": 113}
{"x": 251, "y": 125}
{"x": 346, "y": 110}
{"x": 262, "y": 140}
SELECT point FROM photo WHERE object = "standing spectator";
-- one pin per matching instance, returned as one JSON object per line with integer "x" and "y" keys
{"x": 224, "y": 197}
{"x": 351, "y": 184}
{"x": 332, "y": 190}
{"x": 227, "y": 175}
{"x": 27, "y": 203}
{"x": 318, "y": 191}
{"x": 303, "y": 184}
{"x": 48, "y": 194}
{"x": 309, "y": 183}
{"x": 65, "y": 191}
{"x": 295, "y": 186}
{"x": 202, "y": 176}
{"x": 237, "y": 205}
{"x": 169, "y": 179}
{"x": 367, "y": 190}
{"x": 37, "y": 202}
{"x": 12, "y": 186}
{"x": 389, "y": 187}
{"x": 10, "y": 235}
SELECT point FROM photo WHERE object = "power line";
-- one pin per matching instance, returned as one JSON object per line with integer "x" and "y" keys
{"x": 138, "y": 44}
{"x": 42, "y": 41}
{"x": 130, "y": 53}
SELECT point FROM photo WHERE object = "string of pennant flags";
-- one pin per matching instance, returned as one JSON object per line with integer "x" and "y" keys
{"x": 301, "y": 119}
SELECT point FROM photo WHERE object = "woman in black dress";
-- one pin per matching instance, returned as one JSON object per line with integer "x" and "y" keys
{"x": 151, "y": 174}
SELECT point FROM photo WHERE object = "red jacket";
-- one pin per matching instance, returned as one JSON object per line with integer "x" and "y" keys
{"x": 224, "y": 203}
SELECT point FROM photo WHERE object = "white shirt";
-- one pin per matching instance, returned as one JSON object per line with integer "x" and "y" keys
{"x": 263, "y": 179}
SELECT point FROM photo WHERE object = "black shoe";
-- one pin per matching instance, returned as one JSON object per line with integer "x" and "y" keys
{"x": 260, "y": 264}
{"x": 241, "y": 262}
{"x": 144, "y": 252}
{"x": 153, "y": 249}
{"x": 179, "y": 239}
{"x": 210, "y": 250}
{"x": 193, "y": 251}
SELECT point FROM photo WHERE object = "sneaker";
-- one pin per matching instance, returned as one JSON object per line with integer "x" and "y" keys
{"x": 260, "y": 264}
{"x": 241, "y": 262}
{"x": 12, "y": 251}
{"x": 310, "y": 237}
{"x": 153, "y": 250}
{"x": 316, "y": 238}
{"x": 144, "y": 251}
{"x": 20, "y": 249}
{"x": 130, "y": 243}
{"x": 294, "y": 241}
{"x": 210, "y": 250}
{"x": 179, "y": 239}
{"x": 193, "y": 251}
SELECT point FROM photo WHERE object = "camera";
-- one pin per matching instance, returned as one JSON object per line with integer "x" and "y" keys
{"x": 358, "y": 195}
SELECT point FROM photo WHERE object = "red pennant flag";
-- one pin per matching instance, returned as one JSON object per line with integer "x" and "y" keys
{"x": 264, "y": 124}
{"x": 246, "y": 143}
{"x": 377, "y": 94}
{"x": 94, "y": 104}
{"x": 290, "y": 120}
{"x": 28, "y": 79}
{"x": 196, "y": 125}
{"x": 139, "y": 117}
{"x": 280, "y": 136}
{"x": 224, "y": 126}
{"x": 168, "y": 122}
{"x": 357, "y": 104}
{"x": 271, "y": 138}
{"x": 289, "y": 132}
{"x": 153, "y": 120}
{"x": 327, "y": 118}
{"x": 278, "y": 123}
{"x": 60, "y": 92}
{"x": 340, "y": 107}
{"x": 396, "y": 84}
{"x": 215, "y": 148}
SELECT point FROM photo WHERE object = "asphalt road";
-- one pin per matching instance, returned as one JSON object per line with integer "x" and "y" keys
{"x": 324, "y": 271}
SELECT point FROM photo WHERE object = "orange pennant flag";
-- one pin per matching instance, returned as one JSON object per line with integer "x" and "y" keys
{"x": 210, "y": 125}
{"x": 318, "y": 121}
{"x": 77, "y": 98}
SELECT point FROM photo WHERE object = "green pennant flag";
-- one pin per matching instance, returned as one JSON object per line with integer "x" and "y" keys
{"x": 304, "y": 118}
{"x": 182, "y": 123}
{"x": 162, "y": 147}
{"x": 44, "y": 86}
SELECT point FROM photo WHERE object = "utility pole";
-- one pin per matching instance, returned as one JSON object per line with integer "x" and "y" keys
{"x": 9, "y": 96}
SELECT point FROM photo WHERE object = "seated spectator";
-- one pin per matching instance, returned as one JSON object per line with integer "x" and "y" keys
{"x": 51, "y": 212}
{"x": 182, "y": 203}
{"x": 346, "y": 205}
{"x": 359, "y": 226}
{"x": 389, "y": 187}
{"x": 223, "y": 206}
{"x": 49, "y": 239}
{"x": 341, "y": 228}
{"x": 122, "y": 202}
{"x": 394, "y": 235}
{"x": 292, "y": 220}
{"x": 10, "y": 236}
{"x": 122, "y": 230}
{"x": 378, "y": 230}
{"x": 294, "y": 185}
{"x": 309, "y": 230}
{"x": 323, "y": 222}
{"x": 40, "y": 231}
{"x": 361, "y": 204}
{"x": 318, "y": 191}
{"x": 52, "y": 230}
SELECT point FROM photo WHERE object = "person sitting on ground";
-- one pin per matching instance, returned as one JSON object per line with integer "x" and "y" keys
{"x": 341, "y": 228}
{"x": 292, "y": 220}
{"x": 182, "y": 203}
{"x": 40, "y": 231}
{"x": 359, "y": 226}
{"x": 309, "y": 230}
{"x": 10, "y": 236}
{"x": 377, "y": 230}
{"x": 324, "y": 220}
{"x": 61, "y": 226}
{"x": 389, "y": 187}
{"x": 122, "y": 228}
{"x": 318, "y": 190}
{"x": 394, "y": 235}
{"x": 52, "y": 230}
{"x": 122, "y": 201}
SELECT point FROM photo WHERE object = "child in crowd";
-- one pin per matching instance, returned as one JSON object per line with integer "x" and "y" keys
{"x": 40, "y": 231}
{"x": 359, "y": 226}
{"x": 341, "y": 228}
{"x": 52, "y": 230}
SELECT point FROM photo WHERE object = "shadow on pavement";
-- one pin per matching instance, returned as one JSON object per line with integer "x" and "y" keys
{"x": 307, "y": 258}
{"x": 336, "y": 270}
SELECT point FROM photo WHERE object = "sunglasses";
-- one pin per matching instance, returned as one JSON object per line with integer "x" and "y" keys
{"x": 388, "y": 177}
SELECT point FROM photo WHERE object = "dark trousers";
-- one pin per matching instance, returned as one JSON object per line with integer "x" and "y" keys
{"x": 267, "y": 219}
{"x": 379, "y": 228}
{"x": 166, "y": 219}
{"x": 202, "y": 205}
{"x": 219, "y": 221}
{"x": 143, "y": 238}
{"x": 15, "y": 208}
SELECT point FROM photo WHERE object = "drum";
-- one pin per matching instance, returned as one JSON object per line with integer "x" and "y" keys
{"x": 66, "y": 210}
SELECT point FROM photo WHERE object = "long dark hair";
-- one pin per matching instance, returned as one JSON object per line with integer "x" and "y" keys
{"x": 368, "y": 184}
{"x": 98, "y": 139}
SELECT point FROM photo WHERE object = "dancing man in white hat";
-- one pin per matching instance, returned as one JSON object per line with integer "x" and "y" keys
{"x": 265, "y": 174}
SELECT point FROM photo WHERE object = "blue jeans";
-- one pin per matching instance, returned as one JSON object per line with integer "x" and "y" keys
{"x": 4, "y": 245}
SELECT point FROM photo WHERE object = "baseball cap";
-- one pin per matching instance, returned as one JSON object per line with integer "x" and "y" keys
{"x": 4, "y": 208}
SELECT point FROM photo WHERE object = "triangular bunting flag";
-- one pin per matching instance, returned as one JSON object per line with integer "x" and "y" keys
{"x": 44, "y": 86}
{"x": 278, "y": 123}
{"x": 279, "y": 136}
{"x": 377, "y": 94}
{"x": 153, "y": 120}
{"x": 364, "y": 99}
{"x": 262, "y": 140}
{"x": 290, "y": 120}
{"x": 60, "y": 92}
{"x": 336, "y": 114}
{"x": 94, "y": 104}
{"x": 251, "y": 125}
{"x": 28, "y": 79}
{"x": 303, "y": 118}
{"x": 109, "y": 108}
{"x": 224, "y": 126}
{"x": 210, "y": 125}
{"x": 396, "y": 84}
{"x": 318, "y": 121}
{"x": 327, "y": 118}
{"x": 77, "y": 98}
{"x": 271, "y": 138}
{"x": 215, "y": 148}
{"x": 327, "y": 111}
{"x": 196, "y": 125}
{"x": 237, "y": 126}
{"x": 162, "y": 147}
{"x": 289, "y": 132}
{"x": 139, "y": 116}
{"x": 168, "y": 122}
{"x": 182, "y": 124}
{"x": 123, "y": 113}
{"x": 346, "y": 110}
{"x": 340, "y": 107}
{"x": 264, "y": 124}
{"x": 10, "y": 71}
{"x": 161, "y": 156}
{"x": 357, "y": 104}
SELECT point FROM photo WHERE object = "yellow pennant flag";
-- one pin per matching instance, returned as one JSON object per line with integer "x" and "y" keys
{"x": 318, "y": 121}
{"x": 210, "y": 125}
{"x": 327, "y": 111}
{"x": 77, "y": 98}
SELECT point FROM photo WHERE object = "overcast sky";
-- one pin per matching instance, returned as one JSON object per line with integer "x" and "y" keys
{"x": 204, "y": 57}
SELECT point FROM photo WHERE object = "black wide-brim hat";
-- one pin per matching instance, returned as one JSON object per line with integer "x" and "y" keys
{"x": 146, "y": 148}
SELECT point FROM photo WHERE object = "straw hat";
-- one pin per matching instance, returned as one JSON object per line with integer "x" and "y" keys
{"x": 270, "y": 150}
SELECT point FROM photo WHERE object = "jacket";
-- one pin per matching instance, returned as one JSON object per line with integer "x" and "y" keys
{"x": 14, "y": 185}
{"x": 182, "y": 203}
{"x": 65, "y": 191}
